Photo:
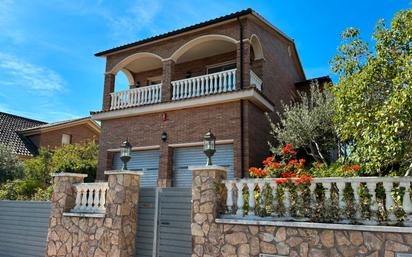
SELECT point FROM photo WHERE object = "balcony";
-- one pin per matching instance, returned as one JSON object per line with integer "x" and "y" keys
{"x": 209, "y": 84}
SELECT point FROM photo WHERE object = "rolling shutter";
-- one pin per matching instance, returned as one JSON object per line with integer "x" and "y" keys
{"x": 147, "y": 161}
{"x": 194, "y": 156}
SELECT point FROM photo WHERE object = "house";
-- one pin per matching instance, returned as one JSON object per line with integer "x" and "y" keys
{"x": 223, "y": 74}
{"x": 26, "y": 136}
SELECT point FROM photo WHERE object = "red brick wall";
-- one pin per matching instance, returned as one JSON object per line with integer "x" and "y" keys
{"x": 52, "y": 139}
{"x": 182, "y": 126}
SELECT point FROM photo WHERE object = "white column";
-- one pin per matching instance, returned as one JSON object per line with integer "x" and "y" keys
{"x": 251, "y": 188}
{"x": 341, "y": 193}
{"x": 229, "y": 198}
{"x": 389, "y": 200}
{"x": 240, "y": 201}
{"x": 406, "y": 204}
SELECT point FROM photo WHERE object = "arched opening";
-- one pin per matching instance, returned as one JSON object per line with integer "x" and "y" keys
{"x": 204, "y": 55}
{"x": 139, "y": 70}
{"x": 256, "y": 48}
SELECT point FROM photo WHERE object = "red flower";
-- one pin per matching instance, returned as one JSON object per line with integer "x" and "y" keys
{"x": 302, "y": 160}
{"x": 282, "y": 180}
{"x": 288, "y": 174}
{"x": 303, "y": 179}
{"x": 275, "y": 165}
{"x": 293, "y": 152}
{"x": 356, "y": 167}
{"x": 300, "y": 166}
{"x": 267, "y": 161}
{"x": 286, "y": 149}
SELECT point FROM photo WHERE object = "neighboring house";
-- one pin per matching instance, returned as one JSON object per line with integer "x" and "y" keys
{"x": 25, "y": 136}
{"x": 222, "y": 74}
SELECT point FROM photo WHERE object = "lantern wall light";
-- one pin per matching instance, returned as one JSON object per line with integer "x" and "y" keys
{"x": 209, "y": 146}
{"x": 125, "y": 151}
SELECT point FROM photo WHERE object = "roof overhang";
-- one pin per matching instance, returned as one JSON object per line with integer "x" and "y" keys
{"x": 249, "y": 94}
{"x": 50, "y": 127}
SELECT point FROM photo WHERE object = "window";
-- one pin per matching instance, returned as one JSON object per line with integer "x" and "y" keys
{"x": 221, "y": 67}
{"x": 66, "y": 139}
{"x": 154, "y": 80}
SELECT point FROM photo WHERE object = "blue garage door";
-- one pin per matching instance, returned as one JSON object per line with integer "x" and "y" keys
{"x": 194, "y": 156}
{"x": 146, "y": 161}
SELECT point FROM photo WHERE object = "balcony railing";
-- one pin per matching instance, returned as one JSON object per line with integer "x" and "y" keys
{"x": 255, "y": 80}
{"x": 204, "y": 85}
{"x": 214, "y": 83}
{"x": 90, "y": 198}
{"x": 136, "y": 96}
{"x": 365, "y": 200}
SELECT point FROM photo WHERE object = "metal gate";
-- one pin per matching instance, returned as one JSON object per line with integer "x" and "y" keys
{"x": 174, "y": 222}
{"x": 164, "y": 221}
{"x": 146, "y": 225}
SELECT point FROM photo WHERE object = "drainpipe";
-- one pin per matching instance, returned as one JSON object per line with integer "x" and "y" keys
{"x": 241, "y": 101}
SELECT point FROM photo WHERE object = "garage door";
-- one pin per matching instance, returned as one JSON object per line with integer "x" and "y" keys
{"x": 146, "y": 161}
{"x": 194, "y": 156}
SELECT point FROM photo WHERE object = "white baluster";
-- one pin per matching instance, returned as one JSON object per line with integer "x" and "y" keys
{"x": 355, "y": 187}
{"x": 341, "y": 193}
{"x": 197, "y": 92}
{"x": 327, "y": 186}
{"x": 78, "y": 198}
{"x": 233, "y": 79}
{"x": 225, "y": 75}
{"x": 286, "y": 201}
{"x": 312, "y": 189}
{"x": 84, "y": 198}
{"x": 251, "y": 188}
{"x": 202, "y": 85}
{"x": 261, "y": 185}
{"x": 240, "y": 200}
{"x": 229, "y": 198}
{"x": 374, "y": 204}
{"x": 103, "y": 198}
{"x": 207, "y": 82}
{"x": 389, "y": 200}
{"x": 95, "y": 198}
{"x": 274, "y": 187}
{"x": 220, "y": 81}
{"x": 406, "y": 204}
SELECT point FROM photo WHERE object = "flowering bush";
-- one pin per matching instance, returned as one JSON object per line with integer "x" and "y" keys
{"x": 287, "y": 170}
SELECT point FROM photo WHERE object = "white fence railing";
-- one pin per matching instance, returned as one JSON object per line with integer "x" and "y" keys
{"x": 204, "y": 85}
{"x": 136, "y": 96}
{"x": 255, "y": 80}
{"x": 371, "y": 199}
{"x": 90, "y": 197}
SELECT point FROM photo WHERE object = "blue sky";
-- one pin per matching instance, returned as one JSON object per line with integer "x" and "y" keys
{"x": 47, "y": 66}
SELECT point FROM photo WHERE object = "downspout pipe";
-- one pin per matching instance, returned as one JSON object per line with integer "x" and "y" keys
{"x": 242, "y": 151}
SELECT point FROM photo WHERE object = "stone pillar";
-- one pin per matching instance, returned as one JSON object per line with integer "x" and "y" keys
{"x": 63, "y": 200}
{"x": 121, "y": 211}
{"x": 206, "y": 234}
{"x": 167, "y": 77}
{"x": 109, "y": 81}
{"x": 110, "y": 234}
{"x": 246, "y": 64}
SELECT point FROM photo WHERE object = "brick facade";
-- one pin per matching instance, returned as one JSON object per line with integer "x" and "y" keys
{"x": 241, "y": 121}
{"x": 51, "y": 139}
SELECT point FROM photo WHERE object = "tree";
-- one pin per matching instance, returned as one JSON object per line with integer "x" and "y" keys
{"x": 374, "y": 95}
{"x": 10, "y": 166}
{"x": 36, "y": 181}
{"x": 308, "y": 124}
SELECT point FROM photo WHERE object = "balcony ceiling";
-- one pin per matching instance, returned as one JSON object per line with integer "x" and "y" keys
{"x": 144, "y": 64}
{"x": 207, "y": 49}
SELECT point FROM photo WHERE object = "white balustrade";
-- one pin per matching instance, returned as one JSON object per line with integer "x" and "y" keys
{"x": 90, "y": 197}
{"x": 136, "y": 96}
{"x": 255, "y": 80}
{"x": 204, "y": 85}
{"x": 379, "y": 189}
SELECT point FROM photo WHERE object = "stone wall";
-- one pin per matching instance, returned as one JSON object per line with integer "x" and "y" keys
{"x": 108, "y": 235}
{"x": 239, "y": 240}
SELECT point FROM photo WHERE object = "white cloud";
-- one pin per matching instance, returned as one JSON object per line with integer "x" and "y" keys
{"x": 20, "y": 73}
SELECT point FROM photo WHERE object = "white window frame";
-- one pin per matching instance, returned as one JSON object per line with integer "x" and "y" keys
{"x": 66, "y": 139}
{"x": 216, "y": 65}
